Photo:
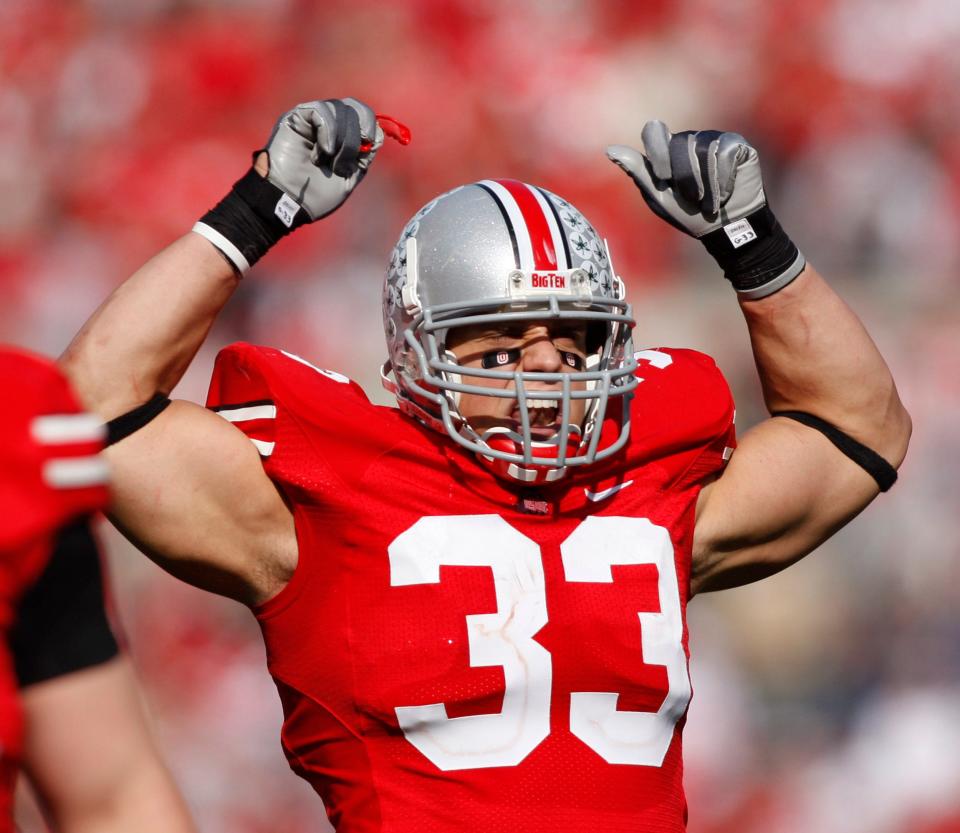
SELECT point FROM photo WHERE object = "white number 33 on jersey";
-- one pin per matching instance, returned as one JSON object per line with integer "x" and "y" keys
{"x": 505, "y": 638}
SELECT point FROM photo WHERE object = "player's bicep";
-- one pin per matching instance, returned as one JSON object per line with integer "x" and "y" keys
{"x": 189, "y": 490}
{"x": 786, "y": 489}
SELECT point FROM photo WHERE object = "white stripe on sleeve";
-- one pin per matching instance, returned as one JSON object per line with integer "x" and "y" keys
{"x": 75, "y": 472}
{"x": 58, "y": 429}
{"x": 265, "y": 448}
{"x": 248, "y": 412}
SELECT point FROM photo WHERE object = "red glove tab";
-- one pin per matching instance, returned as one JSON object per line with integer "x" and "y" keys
{"x": 392, "y": 128}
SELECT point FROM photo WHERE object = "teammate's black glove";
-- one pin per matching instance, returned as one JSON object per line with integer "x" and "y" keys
{"x": 318, "y": 153}
{"x": 708, "y": 185}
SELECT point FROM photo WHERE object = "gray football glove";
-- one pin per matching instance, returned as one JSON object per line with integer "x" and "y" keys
{"x": 708, "y": 184}
{"x": 319, "y": 151}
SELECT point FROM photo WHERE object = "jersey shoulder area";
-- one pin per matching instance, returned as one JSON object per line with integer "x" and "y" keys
{"x": 247, "y": 373}
{"x": 682, "y": 401}
{"x": 304, "y": 420}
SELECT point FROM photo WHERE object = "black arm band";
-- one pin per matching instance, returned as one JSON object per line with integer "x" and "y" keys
{"x": 868, "y": 459}
{"x": 61, "y": 625}
{"x": 254, "y": 216}
{"x": 758, "y": 267}
{"x": 125, "y": 424}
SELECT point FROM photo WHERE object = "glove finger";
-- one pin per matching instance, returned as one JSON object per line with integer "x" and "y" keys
{"x": 706, "y": 150}
{"x": 635, "y": 165}
{"x": 370, "y": 130}
{"x": 348, "y": 139}
{"x": 656, "y": 142}
{"x": 369, "y": 148}
{"x": 316, "y": 121}
{"x": 732, "y": 150}
{"x": 371, "y": 134}
{"x": 686, "y": 170}
{"x": 654, "y": 190}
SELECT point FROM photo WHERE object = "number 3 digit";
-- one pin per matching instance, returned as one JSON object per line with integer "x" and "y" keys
{"x": 504, "y": 638}
{"x": 640, "y": 738}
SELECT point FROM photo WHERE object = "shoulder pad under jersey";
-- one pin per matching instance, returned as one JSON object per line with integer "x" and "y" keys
{"x": 683, "y": 400}
{"x": 305, "y": 421}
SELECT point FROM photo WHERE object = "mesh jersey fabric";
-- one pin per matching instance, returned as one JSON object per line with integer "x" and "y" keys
{"x": 454, "y": 654}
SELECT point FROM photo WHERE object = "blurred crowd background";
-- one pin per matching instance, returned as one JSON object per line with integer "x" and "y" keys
{"x": 826, "y": 699}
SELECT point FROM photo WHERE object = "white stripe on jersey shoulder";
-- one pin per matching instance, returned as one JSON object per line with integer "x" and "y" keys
{"x": 556, "y": 234}
{"x": 244, "y": 413}
{"x": 55, "y": 429}
{"x": 265, "y": 448}
{"x": 330, "y": 374}
{"x": 524, "y": 246}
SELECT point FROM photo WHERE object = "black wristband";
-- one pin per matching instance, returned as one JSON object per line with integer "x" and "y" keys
{"x": 254, "y": 216}
{"x": 755, "y": 253}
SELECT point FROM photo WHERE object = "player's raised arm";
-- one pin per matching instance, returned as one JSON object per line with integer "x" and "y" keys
{"x": 188, "y": 487}
{"x": 838, "y": 429}
{"x": 142, "y": 338}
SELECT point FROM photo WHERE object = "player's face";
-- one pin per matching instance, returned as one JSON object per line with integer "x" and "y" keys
{"x": 532, "y": 347}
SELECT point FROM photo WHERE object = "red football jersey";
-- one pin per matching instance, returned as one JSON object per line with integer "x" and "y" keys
{"x": 454, "y": 654}
{"x": 50, "y": 473}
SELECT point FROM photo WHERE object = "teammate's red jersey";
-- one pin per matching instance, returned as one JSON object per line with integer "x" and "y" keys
{"x": 49, "y": 474}
{"x": 453, "y": 654}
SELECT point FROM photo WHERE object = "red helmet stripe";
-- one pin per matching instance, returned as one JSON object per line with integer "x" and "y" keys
{"x": 538, "y": 223}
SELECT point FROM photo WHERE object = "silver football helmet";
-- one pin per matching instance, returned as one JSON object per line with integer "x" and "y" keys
{"x": 499, "y": 252}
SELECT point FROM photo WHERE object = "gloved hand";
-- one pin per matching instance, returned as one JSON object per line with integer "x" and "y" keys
{"x": 317, "y": 154}
{"x": 319, "y": 151}
{"x": 708, "y": 185}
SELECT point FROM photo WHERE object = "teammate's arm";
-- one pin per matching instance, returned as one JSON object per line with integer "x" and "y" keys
{"x": 91, "y": 759}
{"x": 188, "y": 487}
{"x": 87, "y": 749}
{"x": 787, "y": 487}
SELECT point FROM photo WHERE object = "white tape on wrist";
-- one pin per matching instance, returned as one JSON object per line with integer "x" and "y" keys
{"x": 778, "y": 283}
{"x": 231, "y": 252}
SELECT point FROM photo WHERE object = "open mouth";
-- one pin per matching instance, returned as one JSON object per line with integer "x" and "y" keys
{"x": 543, "y": 414}
{"x": 544, "y": 417}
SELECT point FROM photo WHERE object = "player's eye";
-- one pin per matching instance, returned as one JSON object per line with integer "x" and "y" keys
{"x": 500, "y": 358}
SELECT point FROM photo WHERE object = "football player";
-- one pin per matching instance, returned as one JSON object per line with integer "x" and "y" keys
{"x": 70, "y": 713}
{"x": 474, "y": 604}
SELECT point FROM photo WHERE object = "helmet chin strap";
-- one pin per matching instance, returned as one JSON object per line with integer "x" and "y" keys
{"x": 501, "y": 431}
{"x": 502, "y": 438}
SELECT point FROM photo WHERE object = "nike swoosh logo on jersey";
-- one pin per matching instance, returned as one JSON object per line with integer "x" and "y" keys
{"x": 598, "y": 496}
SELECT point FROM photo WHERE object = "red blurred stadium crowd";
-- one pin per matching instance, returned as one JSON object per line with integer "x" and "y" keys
{"x": 825, "y": 699}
